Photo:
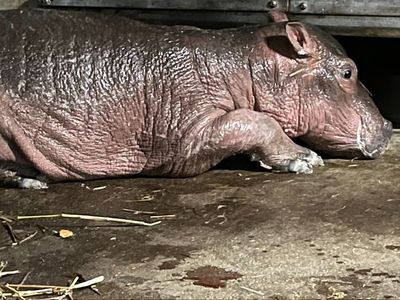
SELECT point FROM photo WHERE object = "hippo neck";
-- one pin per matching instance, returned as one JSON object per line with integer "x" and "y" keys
{"x": 276, "y": 93}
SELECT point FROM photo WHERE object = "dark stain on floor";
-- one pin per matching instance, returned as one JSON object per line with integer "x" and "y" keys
{"x": 392, "y": 247}
{"x": 211, "y": 276}
{"x": 169, "y": 264}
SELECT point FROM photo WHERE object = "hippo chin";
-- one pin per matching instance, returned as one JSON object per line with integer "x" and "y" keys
{"x": 86, "y": 96}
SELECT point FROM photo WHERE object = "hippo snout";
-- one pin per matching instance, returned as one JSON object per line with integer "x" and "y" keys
{"x": 377, "y": 146}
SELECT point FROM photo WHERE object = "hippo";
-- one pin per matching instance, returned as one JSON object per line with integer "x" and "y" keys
{"x": 87, "y": 96}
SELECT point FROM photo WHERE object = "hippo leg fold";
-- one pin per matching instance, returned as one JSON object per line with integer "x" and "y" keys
{"x": 247, "y": 131}
{"x": 18, "y": 177}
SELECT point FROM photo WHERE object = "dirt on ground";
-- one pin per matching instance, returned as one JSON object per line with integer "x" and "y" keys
{"x": 233, "y": 232}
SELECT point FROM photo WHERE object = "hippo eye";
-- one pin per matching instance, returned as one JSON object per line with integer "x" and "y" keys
{"x": 347, "y": 74}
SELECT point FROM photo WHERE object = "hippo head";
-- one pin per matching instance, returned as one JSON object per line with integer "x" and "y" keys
{"x": 323, "y": 102}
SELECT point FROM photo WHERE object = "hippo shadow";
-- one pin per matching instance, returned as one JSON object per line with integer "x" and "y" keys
{"x": 239, "y": 162}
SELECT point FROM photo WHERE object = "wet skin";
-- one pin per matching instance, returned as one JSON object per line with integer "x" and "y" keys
{"x": 86, "y": 96}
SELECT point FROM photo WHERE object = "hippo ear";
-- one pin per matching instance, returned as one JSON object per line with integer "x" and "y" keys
{"x": 278, "y": 16}
{"x": 300, "y": 39}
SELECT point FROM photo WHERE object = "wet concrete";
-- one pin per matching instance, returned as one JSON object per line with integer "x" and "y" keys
{"x": 333, "y": 234}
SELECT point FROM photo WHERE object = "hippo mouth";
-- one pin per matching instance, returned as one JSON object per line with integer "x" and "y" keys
{"x": 377, "y": 145}
{"x": 366, "y": 144}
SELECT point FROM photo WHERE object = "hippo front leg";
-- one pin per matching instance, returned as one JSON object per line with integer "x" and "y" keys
{"x": 254, "y": 133}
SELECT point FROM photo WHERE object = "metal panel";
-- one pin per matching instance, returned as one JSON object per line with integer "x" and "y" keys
{"x": 346, "y": 7}
{"x": 341, "y": 17}
{"x": 355, "y": 25}
{"x": 339, "y": 25}
{"x": 204, "y": 19}
{"x": 230, "y": 5}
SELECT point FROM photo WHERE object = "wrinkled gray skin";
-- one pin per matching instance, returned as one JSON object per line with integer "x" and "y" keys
{"x": 86, "y": 96}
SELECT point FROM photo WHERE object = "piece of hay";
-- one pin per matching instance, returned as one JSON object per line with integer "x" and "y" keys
{"x": 88, "y": 217}
{"x": 21, "y": 291}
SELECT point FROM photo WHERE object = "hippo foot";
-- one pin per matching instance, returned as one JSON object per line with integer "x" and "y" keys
{"x": 28, "y": 183}
{"x": 305, "y": 164}
{"x": 300, "y": 166}
{"x": 9, "y": 179}
{"x": 302, "y": 162}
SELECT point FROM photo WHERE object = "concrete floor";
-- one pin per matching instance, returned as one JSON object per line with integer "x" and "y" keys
{"x": 333, "y": 234}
